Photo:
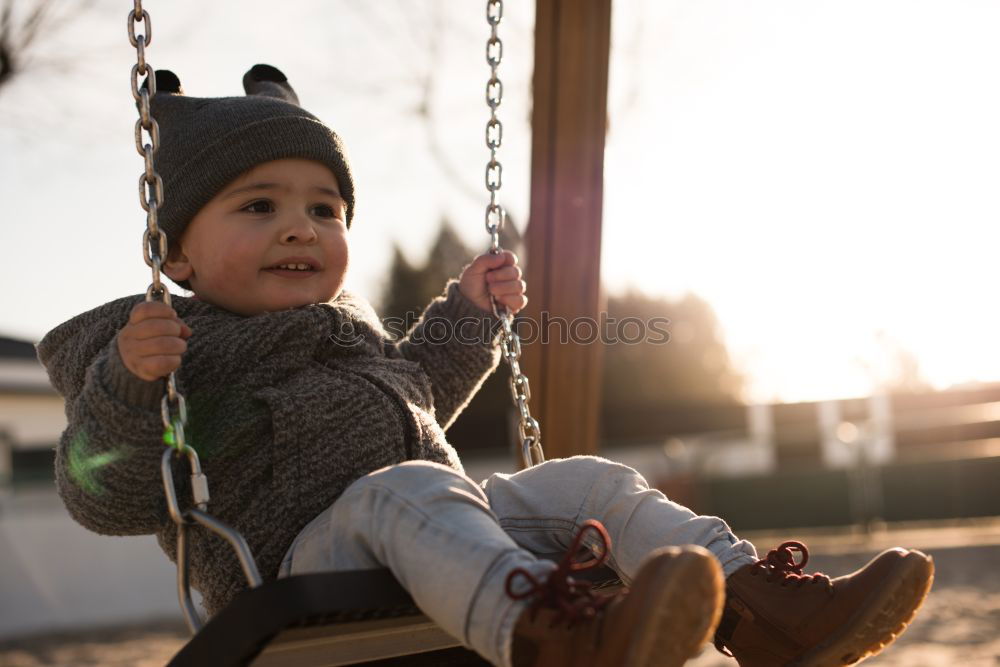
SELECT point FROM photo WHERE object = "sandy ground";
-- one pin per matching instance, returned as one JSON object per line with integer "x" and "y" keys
{"x": 958, "y": 625}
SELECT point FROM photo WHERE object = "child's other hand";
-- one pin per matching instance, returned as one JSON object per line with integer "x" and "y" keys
{"x": 498, "y": 275}
{"x": 152, "y": 342}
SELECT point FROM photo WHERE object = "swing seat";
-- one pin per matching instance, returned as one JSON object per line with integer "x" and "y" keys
{"x": 330, "y": 618}
{"x": 333, "y": 618}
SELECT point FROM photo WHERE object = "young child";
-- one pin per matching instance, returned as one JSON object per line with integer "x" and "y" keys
{"x": 325, "y": 445}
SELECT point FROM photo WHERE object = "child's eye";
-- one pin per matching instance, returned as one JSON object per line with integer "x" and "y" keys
{"x": 259, "y": 206}
{"x": 324, "y": 211}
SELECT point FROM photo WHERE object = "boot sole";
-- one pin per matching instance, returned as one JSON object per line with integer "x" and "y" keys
{"x": 884, "y": 617}
{"x": 683, "y": 593}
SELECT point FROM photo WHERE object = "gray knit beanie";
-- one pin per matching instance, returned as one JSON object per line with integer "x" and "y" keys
{"x": 205, "y": 143}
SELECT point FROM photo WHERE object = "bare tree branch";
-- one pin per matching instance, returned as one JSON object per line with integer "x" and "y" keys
{"x": 6, "y": 50}
{"x": 33, "y": 24}
{"x": 17, "y": 37}
{"x": 426, "y": 111}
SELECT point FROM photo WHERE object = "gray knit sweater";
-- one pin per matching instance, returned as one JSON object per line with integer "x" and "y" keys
{"x": 286, "y": 409}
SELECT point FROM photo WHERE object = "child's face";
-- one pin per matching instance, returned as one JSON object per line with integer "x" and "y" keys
{"x": 282, "y": 212}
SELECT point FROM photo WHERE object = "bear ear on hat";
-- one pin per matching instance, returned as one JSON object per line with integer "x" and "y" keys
{"x": 268, "y": 81}
{"x": 166, "y": 82}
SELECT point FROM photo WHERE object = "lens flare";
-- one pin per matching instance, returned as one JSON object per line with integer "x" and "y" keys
{"x": 83, "y": 466}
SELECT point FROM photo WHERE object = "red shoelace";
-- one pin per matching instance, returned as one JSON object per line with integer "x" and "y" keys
{"x": 572, "y": 598}
{"x": 780, "y": 565}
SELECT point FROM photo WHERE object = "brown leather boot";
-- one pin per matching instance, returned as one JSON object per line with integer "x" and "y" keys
{"x": 665, "y": 616}
{"x": 775, "y": 615}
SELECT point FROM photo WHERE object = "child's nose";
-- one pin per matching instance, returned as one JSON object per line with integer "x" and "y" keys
{"x": 298, "y": 229}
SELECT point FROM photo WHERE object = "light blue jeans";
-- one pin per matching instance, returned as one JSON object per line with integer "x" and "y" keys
{"x": 451, "y": 542}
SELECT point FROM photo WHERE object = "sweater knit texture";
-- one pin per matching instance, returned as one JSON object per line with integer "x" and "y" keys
{"x": 285, "y": 409}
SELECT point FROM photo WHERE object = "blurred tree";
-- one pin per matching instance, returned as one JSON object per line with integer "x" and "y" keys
{"x": 483, "y": 423}
{"x": 403, "y": 291}
{"x": 20, "y": 30}
{"x": 907, "y": 376}
{"x": 688, "y": 365}
{"x": 899, "y": 368}
{"x": 651, "y": 388}
{"x": 410, "y": 288}
{"x": 692, "y": 366}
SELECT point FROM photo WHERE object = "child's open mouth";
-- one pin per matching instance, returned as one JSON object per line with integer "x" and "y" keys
{"x": 293, "y": 269}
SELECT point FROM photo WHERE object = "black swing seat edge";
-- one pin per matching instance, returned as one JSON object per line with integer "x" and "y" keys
{"x": 343, "y": 600}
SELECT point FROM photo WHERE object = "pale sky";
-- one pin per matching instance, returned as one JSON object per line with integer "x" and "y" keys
{"x": 821, "y": 172}
{"x": 824, "y": 173}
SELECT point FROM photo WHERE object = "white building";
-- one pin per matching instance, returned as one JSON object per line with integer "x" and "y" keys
{"x": 55, "y": 574}
{"x": 31, "y": 412}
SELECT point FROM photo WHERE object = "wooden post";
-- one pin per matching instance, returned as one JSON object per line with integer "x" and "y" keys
{"x": 563, "y": 238}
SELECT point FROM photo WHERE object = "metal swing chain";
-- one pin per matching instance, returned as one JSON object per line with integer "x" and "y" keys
{"x": 510, "y": 343}
{"x": 173, "y": 408}
{"x": 154, "y": 241}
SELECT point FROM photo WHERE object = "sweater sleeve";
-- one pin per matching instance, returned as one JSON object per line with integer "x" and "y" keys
{"x": 108, "y": 458}
{"x": 455, "y": 342}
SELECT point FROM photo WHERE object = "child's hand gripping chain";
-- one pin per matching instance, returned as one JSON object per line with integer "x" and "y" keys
{"x": 152, "y": 342}
{"x": 494, "y": 274}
